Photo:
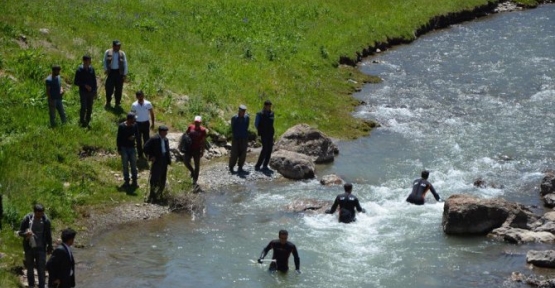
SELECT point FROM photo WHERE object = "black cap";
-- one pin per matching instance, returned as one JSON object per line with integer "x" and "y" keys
{"x": 56, "y": 67}
{"x": 116, "y": 43}
{"x": 267, "y": 102}
{"x": 162, "y": 128}
{"x": 130, "y": 115}
{"x": 86, "y": 57}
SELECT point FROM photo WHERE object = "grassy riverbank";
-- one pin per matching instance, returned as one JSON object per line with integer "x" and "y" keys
{"x": 193, "y": 57}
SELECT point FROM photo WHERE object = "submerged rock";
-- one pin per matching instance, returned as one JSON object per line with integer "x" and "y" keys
{"x": 308, "y": 205}
{"x": 519, "y": 236}
{"x": 541, "y": 258}
{"x": 331, "y": 179}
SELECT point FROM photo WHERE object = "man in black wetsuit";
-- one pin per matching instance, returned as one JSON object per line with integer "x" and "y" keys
{"x": 347, "y": 204}
{"x": 282, "y": 250}
{"x": 419, "y": 189}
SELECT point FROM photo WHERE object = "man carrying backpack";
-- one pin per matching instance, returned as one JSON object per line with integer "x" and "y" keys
{"x": 197, "y": 136}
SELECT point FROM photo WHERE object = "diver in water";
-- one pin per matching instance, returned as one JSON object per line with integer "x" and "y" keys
{"x": 419, "y": 189}
{"x": 282, "y": 249}
{"x": 347, "y": 204}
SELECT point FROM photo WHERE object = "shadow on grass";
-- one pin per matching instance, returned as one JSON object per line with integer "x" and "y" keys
{"x": 128, "y": 189}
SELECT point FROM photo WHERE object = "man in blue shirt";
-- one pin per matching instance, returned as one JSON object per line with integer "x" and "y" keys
{"x": 240, "y": 131}
{"x": 54, "y": 92}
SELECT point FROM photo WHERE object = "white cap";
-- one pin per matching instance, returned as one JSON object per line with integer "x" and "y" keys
{"x": 198, "y": 118}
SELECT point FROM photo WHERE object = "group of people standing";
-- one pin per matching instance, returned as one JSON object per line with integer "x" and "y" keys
{"x": 115, "y": 68}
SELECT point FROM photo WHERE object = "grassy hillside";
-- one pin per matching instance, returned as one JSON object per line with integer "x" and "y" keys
{"x": 190, "y": 57}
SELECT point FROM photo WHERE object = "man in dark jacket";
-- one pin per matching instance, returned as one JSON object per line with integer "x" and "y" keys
{"x": 128, "y": 135}
{"x": 157, "y": 149}
{"x": 264, "y": 123}
{"x": 240, "y": 141}
{"x": 282, "y": 250}
{"x": 347, "y": 204}
{"x": 419, "y": 189}
{"x": 61, "y": 265}
{"x": 85, "y": 78}
{"x": 37, "y": 241}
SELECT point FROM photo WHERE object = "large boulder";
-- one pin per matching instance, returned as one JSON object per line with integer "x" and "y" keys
{"x": 292, "y": 165}
{"x": 541, "y": 258}
{"x": 466, "y": 214}
{"x": 309, "y": 141}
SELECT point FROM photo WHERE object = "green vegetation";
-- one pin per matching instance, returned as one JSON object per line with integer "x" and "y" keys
{"x": 216, "y": 54}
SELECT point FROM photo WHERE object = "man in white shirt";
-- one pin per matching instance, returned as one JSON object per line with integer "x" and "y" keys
{"x": 145, "y": 112}
{"x": 115, "y": 66}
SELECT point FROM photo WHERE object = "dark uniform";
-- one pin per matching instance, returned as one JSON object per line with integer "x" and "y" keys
{"x": 419, "y": 189}
{"x": 347, "y": 203}
{"x": 281, "y": 255}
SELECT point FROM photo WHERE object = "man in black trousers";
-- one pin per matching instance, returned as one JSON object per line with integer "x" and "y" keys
{"x": 264, "y": 123}
{"x": 61, "y": 265}
{"x": 85, "y": 78}
{"x": 115, "y": 67}
{"x": 157, "y": 149}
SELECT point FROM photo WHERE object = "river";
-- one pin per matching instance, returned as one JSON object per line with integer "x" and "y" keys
{"x": 473, "y": 101}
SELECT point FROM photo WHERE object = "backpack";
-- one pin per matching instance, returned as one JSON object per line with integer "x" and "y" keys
{"x": 185, "y": 143}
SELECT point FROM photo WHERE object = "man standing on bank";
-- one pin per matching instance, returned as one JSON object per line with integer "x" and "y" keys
{"x": 115, "y": 66}
{"x": 282, "y": 250}
{"x": 37, "y": 242}
{"x": 419, "y": 189}
{"x": 240, "y": 131}
{"x": 144, "y": 111}
{"x": 54, "y": 93}
{"x": 197, "y": 133}
{"x": 61, "y": 265}
{"x": 85, "y": 78}
{"x": 264, "y": 123}
{"x": 157, "y": 149}
{"x": 347, "y": 204}
{"x": 128, "y": 135}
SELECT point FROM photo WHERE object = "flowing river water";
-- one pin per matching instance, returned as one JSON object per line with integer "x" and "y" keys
{"x": 473, "y": 101}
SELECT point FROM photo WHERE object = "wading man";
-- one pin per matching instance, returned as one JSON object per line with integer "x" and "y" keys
{"x": 282, "y": 250}
{"x": 419, "y": 189}
{"x": 347, "y": 204}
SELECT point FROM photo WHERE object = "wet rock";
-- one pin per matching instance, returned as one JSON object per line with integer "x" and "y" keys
{"x": 518, "y": 277}
{"x": 292, "y": 165}
{"x": 539, "y": 282}
{"x": 547, "y": 185}
{"x": 308, "y": 205}
{"x": 466, "y": 214}
{"x": 519, "y": 236}
{"x": 309, "y": 141}
{"x": 331, "y": 179}
{"x": 541, "y": 258}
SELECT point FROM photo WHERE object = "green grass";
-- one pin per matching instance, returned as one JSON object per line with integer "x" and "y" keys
{"x": 217, "y": 53}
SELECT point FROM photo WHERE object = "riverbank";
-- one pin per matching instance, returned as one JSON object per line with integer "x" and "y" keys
{"x": 81, "y": 184}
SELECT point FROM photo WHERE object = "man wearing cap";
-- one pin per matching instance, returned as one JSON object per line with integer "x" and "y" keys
{"x": 419, "y": 189}
{"x": 197, "y": 133}
{"x": 144, "y": 111}
{"x": 85, "y": 78}
{"x": 240, "y": 131}
{"x": 115, "y": 66}
{"x": 264, "y": 123}
{"x": 54, "y": 92}
{"x": 128, "y": 135}
{"x": 347, "y": 204}
{"x": 157, "y": 148}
